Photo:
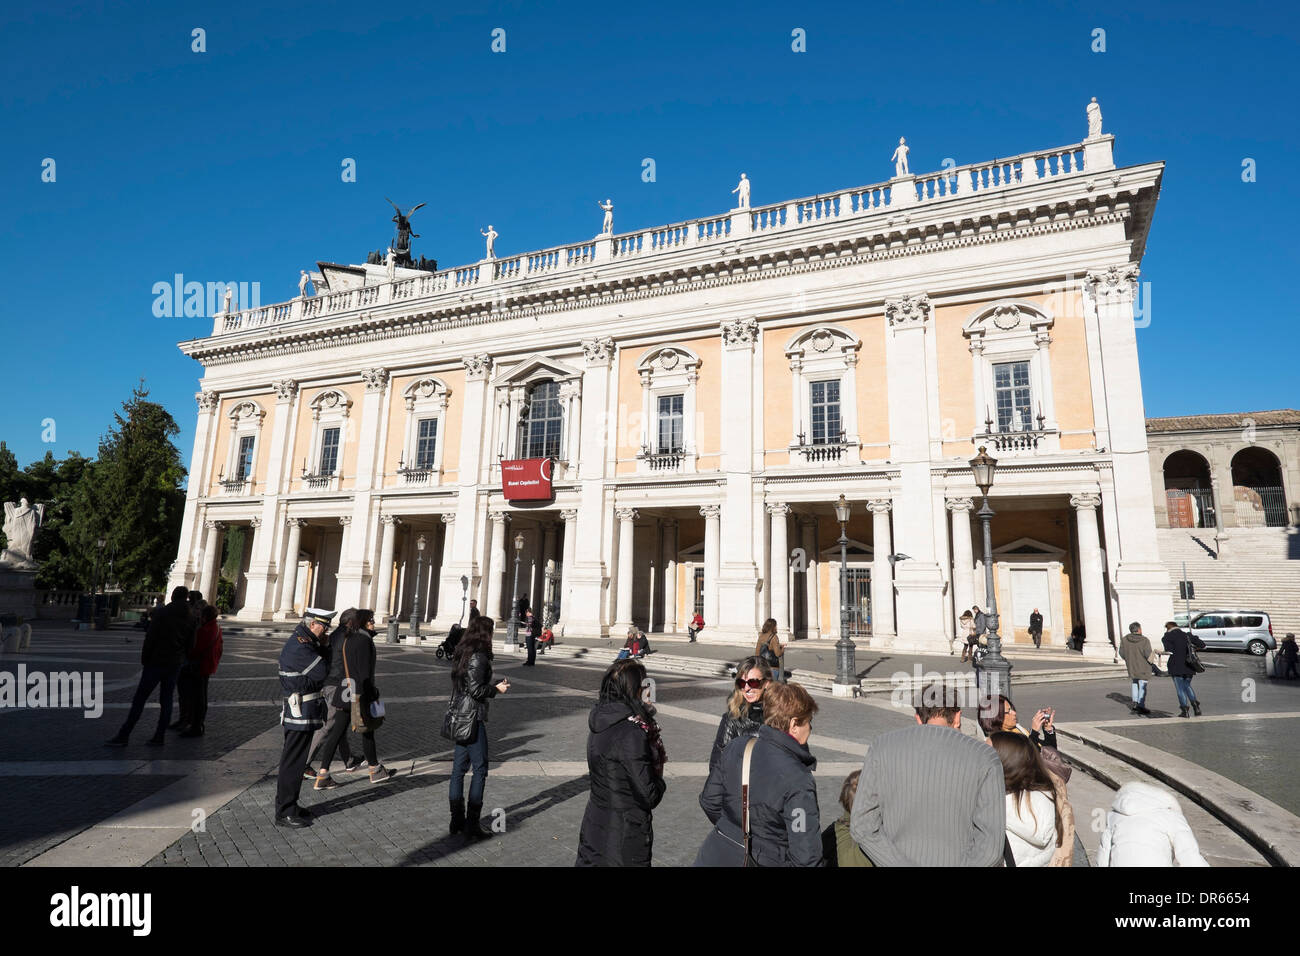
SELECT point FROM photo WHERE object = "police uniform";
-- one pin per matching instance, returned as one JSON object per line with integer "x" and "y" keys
{"x": 304, "y": 666}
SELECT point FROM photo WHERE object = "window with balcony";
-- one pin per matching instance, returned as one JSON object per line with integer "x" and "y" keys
{"x": 1013, "y": 400}
{"x": 329, "y": 452}
{"x": 420, "y": 459}
{"x": 236, "y": 476}
{"x": 824, "y": 408}
{"x": 669, "y": 374}
{"x": 823, "y": 416}
{"x": 542, "y": 422}
{"x": 1013, "y": 396}
{"x": 323, "y": 468}
{"x": 671, "y": 433}
{"x": 426, "y": 442}
{"x": 244, "y": 459}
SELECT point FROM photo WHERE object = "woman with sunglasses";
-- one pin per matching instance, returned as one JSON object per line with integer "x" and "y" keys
{"x": 744, "y": 708}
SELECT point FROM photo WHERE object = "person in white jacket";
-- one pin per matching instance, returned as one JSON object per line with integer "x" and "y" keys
{"x": 1146, "y": 827}
{"x": 1034, "y": 826}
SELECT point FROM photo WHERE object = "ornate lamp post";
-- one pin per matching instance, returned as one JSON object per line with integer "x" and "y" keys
{"x": 464, "y": 595}
{"x": 419, "y": 573}
{"x": 996, "y": 668}
{"x": 846, "y": 684}
{"x": 514, "y": 599}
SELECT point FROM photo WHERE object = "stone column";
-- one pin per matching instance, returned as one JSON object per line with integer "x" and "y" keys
{"x": 290, "y": 586}
{"x": 586, "y": 613}
{"x": 1092, "y": 581}
{"x": 812, "y": 580}
{"x": 963, "y": 562}
{"x": 669, "y": 570}
{"x": 384, "y": 589}
{"x": 623, "y": 617}
{"x": 882, "y": 577}
{"x": 212, "y": 560}
{"x": 741, "y": 540}
{"x": 496, "y": 567}
{"x": 263, "y": 574}
{"x": 570, "y": 516}
{"x": 712, "y": 562}
{"x": 780, "y": 569}
{"x": 183, "y": 571}
{"x": 450, "y": 593}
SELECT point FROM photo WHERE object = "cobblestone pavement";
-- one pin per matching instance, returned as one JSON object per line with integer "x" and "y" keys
{"x": 65, "y": 779}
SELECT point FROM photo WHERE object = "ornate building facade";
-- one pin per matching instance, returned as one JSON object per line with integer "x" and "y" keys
{"x": 702, "y": 393}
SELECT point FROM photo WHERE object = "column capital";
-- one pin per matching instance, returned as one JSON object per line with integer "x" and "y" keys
{"x": 499, "y": 517}
{"x": 740, "y": 333}
{"x": 477, "y": 367}
{"x": 296, "y": 522}
{"x": 880, "y": 506}
{"x": 393, "y": 520}
{"x": 208, "y": 401}
{"x": 712, "y": 512}
{"x": 215, "y": 525}
{"x": 285, "y": 389}
{"x": 375, "y": 378}
{"x": 959, "y": 504}
{"x": 778, "y": 508}
{"x": 1116, "y": 283}
{"x": 626, "y": 514}
{"x": 569, "y": 514}
{"x": 908, "y": 311}
{"x": 598, "y": 351}
{"x": 1087, "y": 500}
{"x": 448, "y": 518}
{"x": 255, "y": 521}
{"x": 345, "y": 520}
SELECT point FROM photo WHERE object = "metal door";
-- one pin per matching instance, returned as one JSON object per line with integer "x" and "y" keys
{"x": 858, "y": 585}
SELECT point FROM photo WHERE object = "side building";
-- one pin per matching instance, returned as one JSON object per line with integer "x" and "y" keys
{"x": 675, "y": 412}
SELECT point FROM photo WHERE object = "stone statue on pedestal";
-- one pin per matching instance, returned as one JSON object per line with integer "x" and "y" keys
{"x": 303, "y": 281}
{"x": 1094, "y": 119}
{"x": 742, "y": 201}
{"x": 21, "y": 522}
{"x": 607, "y": 226}
{"x": 402, "y": 243}
{"x": 491, "y": 240}
{"x": 226, "y": 299}
{"x": 390, "y": 262}
{"x": 900, "y": 158}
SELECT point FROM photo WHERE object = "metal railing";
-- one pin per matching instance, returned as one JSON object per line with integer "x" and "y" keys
{"x": 662, "y": 460}
{"x": 1262, "y": 507}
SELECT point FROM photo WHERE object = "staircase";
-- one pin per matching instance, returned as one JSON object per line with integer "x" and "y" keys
{"x": 1258, "y": 570}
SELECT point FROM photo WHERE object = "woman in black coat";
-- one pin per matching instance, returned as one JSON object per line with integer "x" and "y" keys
{"x": 625, "y": 757}
{"x": 744, "y": 708}
{"x": 471, "y": 689}
{"x": 1176, "y": 642}
{"x": 356, "y": 679}
{"x": 784, "y": 823}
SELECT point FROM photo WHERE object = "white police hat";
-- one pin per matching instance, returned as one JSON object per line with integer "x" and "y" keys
{"x": 316, "y": 614}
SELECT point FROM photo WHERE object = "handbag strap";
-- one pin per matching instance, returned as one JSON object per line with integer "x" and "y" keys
{"x": 346, "y": 675}
{"x": 744, "y": 793}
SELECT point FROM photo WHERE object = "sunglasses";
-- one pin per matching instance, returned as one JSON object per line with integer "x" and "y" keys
{"x": 754, "y": 683}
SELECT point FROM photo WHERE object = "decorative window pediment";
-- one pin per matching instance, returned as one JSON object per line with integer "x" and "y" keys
{"x": 535, "y": 368}
{"x": 1014, "y": 406}
{"x": 331, "y": 401}
{"x": 824, "y": 415}
{"x": 1026, "y": 547}
{"x": 538, "y": 402}
{"x": 669, "y": 374}
{"x": 330, "y": 409}
{"x": 425, "y": 433}
{"x": 246, "y": 418}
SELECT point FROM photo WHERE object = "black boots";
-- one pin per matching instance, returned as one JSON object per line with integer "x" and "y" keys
{"x": 1196, "y": 707}
{"x": 457, "y": 816}
{"x": 473, "y": 826}
{"x": 1182, "y": 711}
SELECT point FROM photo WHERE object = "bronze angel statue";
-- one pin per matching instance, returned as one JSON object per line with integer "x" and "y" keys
{"x": 402, "y": 244}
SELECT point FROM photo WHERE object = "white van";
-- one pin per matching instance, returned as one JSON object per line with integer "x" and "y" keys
{"x": 1235, "y": 631}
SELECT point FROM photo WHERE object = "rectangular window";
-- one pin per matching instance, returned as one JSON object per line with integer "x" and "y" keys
{"x": 825, "y": 405}
{"x": 698, "y": 602}
{"x": 244, "y": 463}
{"x": 329, "y": 451}
{"x": 671, "y": 434}
{"x": 426, "y": 442}
{"x": 1015, "y": 405}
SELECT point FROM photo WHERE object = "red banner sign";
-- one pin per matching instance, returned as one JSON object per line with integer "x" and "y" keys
{"x": 526, "y": 479}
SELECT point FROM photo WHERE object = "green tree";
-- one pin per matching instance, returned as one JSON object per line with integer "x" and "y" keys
{"x": 54, "y": 483}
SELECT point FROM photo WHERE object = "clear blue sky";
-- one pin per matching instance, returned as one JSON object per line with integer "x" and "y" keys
{"x": 225, "y": 165}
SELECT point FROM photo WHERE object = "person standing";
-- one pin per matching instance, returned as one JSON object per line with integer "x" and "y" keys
{"x": 335, "y": 715}
{"x": 770, "y": 650}
{"x": 744, "y": 708}
{"x": 966, "y": 627}
{"x": 203, "y": 662}
{"x": 473, "y": 610}
{"x": 761, "y": 795}
{"x": 929, "y": 795}
{"x": 625, "y": 759}
{"x": 693, "y": 629}
{"x": 304, "y": 667}
{"x": 531, "y": 627}
{"x": 1036, "y": 628}
{"x": 1177, "y": 642}
{"x": 166, "y": 645}
{"x": 1135, "y": 649}
{"x": 357, "y": 658}
{"x": 187, "y": 678}
{"x": 1289, "y": 653}
{"x": 471, "y": 690}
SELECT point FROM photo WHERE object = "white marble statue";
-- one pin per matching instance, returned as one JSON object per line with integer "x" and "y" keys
{"x": 607, "y": 226}
{"x": 226, "y": 299}
{"x": 742, "y": 201}
{"x": 491, "y": 240}
{"x": 21, "y": 522}
{"x": 1094, "y": 119}
{"x": 390, "y": 263}
{"x": 303, "y": 281}
{"x": 900, "y": 158}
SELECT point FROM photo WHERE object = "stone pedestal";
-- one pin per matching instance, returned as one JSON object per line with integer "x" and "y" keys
{"x": 18, "y": 593}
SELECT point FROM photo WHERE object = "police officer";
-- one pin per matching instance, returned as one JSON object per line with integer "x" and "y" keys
{"x": 304, "y": 665}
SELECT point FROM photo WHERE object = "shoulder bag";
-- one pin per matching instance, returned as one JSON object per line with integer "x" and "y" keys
{"x": 1193, "y": 662}
{"x": 459, "y": 727}
{"x": 365, "y": 716}
{"x": 768, "y": 656}
{"x": 744, "y": 797}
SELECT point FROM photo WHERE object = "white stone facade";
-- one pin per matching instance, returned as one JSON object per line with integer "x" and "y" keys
{"x": 716, "y": 385}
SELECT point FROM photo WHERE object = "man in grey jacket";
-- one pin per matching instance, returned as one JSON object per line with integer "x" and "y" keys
{"x": 929, "y": 795}
{"x": 1135, "y": 649}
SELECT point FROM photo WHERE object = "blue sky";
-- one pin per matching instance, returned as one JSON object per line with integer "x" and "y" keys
{"x": 225, "y": 165}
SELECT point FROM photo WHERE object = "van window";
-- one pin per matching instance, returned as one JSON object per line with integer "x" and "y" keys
{"x": 1253, "y": 620}
{"x": 1209, "y": 621}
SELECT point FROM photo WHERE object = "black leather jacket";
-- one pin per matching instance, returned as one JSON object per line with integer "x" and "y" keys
{"x": 746, "y": 725}
{"x": 471, "y": 693}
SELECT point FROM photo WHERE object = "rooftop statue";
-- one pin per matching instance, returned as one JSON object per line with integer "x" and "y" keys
{"x": 402, "y": 243}
{"x": 900, "y": 158}
{"x": 742, "y": 201}
{"x": 1094, "y": 119}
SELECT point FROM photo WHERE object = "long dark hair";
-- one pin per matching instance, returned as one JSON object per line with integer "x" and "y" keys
{"x": 1023, "y": 771}
{"x": 623, "y": 682}
{"x": 736, "y": 703}
{"x": 477, "y": 639}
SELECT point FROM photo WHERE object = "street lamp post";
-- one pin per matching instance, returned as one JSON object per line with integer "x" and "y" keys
{"x": 514, "y": 600}
{"x": 419, "y": 573}
{"x": 846, "y": 669}
{"x": 995, "y": 667}
{"x": 464, "y": 595}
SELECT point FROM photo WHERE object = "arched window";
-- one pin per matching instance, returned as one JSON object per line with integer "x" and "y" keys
{"x": 542, "y": 421}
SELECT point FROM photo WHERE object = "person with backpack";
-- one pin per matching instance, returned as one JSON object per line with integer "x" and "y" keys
{"x": 770, "y": 650}
{"x": 1183, "y": 665}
